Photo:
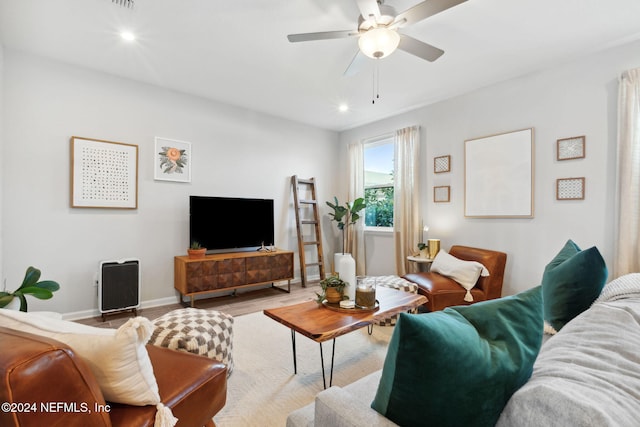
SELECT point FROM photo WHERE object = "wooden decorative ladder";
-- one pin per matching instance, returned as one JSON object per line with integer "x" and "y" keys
{"x": 307, "y": 187}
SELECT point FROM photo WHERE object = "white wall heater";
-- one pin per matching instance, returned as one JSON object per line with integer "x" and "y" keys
{"x": 119, "y": 286}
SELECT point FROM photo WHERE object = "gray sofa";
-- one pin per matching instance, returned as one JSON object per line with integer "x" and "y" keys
{"x": 588, "y": 374}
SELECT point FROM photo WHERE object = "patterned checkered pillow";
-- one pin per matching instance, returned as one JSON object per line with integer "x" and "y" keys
{"x": 395, "y": 282}
{"x": 203, "y": 332}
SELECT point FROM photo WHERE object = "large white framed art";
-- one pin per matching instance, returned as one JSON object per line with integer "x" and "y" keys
{"x": 498, "y": 175}
{"x": 104, "y": 174}
{"x": 172, "y": 161}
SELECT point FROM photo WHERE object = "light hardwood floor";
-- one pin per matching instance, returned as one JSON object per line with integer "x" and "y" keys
{"x": 244, "y": 302}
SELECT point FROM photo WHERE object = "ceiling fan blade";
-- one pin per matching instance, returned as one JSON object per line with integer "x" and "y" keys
{"x": 368, "y": 8}
{"x": 425, "y": 9}
{"x": 419, "y": 49}
{"x": 356, "y": 64}
{"x": 326, "y": 35}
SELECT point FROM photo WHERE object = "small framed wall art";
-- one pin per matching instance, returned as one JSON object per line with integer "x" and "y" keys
{"x": 442, "y": 164}
{"x": 172, "y": 161}
{"x": 570, "y": 188}
{"x": 442, "y": 194}
{"x": 104, "y": 174}
{"x": 570, "y": 148}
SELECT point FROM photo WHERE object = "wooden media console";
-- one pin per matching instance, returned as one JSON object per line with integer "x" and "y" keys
{"x": 228, "y": 271}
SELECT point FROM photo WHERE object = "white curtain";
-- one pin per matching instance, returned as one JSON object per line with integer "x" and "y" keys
{"x": 627, "y": 259}
{"x": 356, "y": 190}
{"x": 406, "y": 217}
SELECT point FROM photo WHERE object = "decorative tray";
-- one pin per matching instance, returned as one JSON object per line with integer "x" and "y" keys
{"x": 336, "y": 307}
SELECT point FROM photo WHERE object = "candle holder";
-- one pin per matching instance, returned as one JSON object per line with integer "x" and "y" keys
{"x": 366, "y": 292}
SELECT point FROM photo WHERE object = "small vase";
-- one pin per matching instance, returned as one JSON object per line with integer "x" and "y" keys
{"x": 345, "y": 266}
{"x": 332, "y": 295}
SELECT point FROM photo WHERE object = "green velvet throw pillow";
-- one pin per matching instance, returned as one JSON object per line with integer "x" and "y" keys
{"x": 460, "y": 366}
{"x": 571, "y": 283}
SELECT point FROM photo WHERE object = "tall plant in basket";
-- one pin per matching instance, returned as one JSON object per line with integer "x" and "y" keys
{"x": 346, "y": 215}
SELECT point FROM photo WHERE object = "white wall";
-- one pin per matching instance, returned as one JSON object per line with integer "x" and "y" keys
{"x": 379, "y": 253}
{"x": 576, "y": 98}
{"x": 46, "y": 102}
{"x": 236, "y": 152}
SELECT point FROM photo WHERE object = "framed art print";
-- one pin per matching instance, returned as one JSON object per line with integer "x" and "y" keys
{"x": 442, "y": 194}
{"x": 441, "y": 164}
{"x": 570, "y": 188}
{"x": 570, "y": 148}
{"x": 498, "y": 175}
{"x": 104, "y": 174}
{"x": 172, "y": 160}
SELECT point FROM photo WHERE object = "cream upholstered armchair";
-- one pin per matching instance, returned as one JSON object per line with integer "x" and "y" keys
{"x": 442, "y": 291}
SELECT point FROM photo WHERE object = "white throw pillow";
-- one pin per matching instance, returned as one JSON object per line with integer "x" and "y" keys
{"x": 118, "y": 358}
{"x": 466, "y": 273}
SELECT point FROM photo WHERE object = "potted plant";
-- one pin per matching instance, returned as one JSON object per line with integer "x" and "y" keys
{"x": 345, "y": 216}
{"x": 332, "y": 289}
{"x": 196, "y": 250}
{"x": 424, "y": 250}
{"x": 30, "y": 286}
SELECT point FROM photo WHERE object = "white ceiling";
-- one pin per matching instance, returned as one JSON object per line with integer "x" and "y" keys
{"x": 237, "y": 52}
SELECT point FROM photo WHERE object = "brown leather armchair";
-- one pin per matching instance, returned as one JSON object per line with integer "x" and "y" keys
{"x": 35, "y": 370}
{"x": 444, "y": 292}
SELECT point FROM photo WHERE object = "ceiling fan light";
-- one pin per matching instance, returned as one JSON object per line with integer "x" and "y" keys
{"x": 379, "y": 42}
{"x": 128, "y": 36}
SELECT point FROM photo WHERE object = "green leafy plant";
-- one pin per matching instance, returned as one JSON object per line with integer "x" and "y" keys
{"x": 331, "y": 282}
{"x": 345, "y": 216}
{"x": 422, "y": 246}
{"x": 196, "y": 250}
{"x": 379, "y": 206}
{"x": 30, "y": 286}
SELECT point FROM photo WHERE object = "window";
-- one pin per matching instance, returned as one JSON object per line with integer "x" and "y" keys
{"x": 378, "y": 182}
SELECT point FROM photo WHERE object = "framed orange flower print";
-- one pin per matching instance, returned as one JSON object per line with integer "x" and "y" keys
{"x": 172, "y": 161}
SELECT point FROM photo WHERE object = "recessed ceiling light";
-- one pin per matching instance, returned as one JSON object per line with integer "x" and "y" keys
{"x": 343, "y": 108}
{"x": 128, "y": 36}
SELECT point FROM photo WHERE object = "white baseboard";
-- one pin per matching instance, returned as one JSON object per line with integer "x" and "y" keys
{"x": 85, "y": 314}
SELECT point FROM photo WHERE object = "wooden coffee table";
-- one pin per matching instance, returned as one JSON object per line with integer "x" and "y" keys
{"x": 321, "y": 324}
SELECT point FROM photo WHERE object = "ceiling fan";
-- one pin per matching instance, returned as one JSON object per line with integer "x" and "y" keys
{"x": 377, "y": 31}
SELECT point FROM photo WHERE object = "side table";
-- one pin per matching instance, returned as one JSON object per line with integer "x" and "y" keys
{"x": 422, "y": 264}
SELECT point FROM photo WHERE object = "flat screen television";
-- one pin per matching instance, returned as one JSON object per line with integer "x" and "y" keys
{"x": 230, "y": 224}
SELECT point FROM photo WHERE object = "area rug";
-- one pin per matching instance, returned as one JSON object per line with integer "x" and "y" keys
{"x": 263, "y": 389}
